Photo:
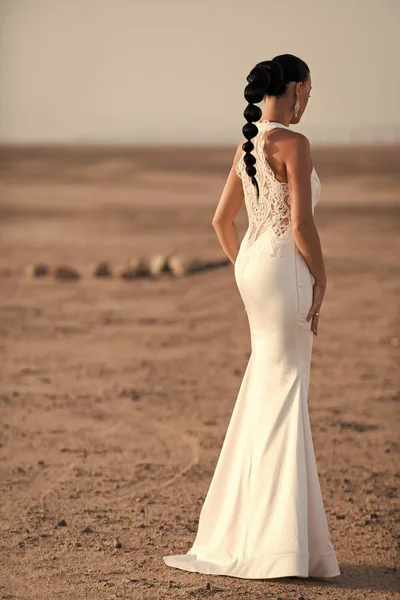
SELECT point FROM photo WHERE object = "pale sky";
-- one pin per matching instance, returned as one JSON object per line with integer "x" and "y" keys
{"x": 174, "y": 71}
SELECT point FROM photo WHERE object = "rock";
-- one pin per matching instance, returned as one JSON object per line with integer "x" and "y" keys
{"x": 357, "y": 426}
{"x": 107, "y": 318}
{"x": 159, "y": 264}
{"x": 137, "y": 267}
{"x": 65, "y": 272}
{"x": 369, "y": 522}
{"x": 62, "y": 523}
{"x": 174, "y": 585}
{"x": 140, "y": 265}
{"x": 181, "y": 265}
{"x": 132, "y": 393}
{"x": 39, "y": 270}
{"x": 103, "y": 269}
{"x": 87, "y": 530}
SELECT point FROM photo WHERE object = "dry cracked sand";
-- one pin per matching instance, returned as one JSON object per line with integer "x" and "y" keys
{"x": 116, "y": 395}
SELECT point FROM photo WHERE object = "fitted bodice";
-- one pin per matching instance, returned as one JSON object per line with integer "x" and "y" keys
{"x": 270, "y": 213}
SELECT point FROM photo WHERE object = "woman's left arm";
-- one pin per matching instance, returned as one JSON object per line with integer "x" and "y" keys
{"x": 227, "y": 209}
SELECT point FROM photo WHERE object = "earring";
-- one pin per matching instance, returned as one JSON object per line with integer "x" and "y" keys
{"x": 296, "y": 107}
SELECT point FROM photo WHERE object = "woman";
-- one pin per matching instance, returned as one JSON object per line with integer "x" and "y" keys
{"x": 263, "y": 516}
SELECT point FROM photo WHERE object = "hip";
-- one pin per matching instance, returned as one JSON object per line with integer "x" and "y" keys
{"x": 282, "y": 280}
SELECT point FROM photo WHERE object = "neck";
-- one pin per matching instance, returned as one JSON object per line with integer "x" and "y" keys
{"x": 275, "y": 118}
{"x": 279, "y": 114}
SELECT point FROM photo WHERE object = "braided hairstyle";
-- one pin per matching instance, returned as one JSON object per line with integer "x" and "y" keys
{"x": 267, "y": 78}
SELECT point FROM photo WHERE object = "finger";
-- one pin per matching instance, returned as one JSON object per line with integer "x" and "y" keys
{"x": 312, "y": 311}
{"x": 315, "y": 324}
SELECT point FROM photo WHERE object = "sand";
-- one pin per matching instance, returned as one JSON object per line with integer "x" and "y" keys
{"x": 116, "y": 395}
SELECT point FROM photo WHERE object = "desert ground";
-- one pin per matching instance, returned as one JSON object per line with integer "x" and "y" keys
{"x": 116, "y": 395}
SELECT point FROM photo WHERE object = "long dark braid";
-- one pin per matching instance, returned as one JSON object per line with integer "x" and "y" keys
{"x": 269, "y": 77}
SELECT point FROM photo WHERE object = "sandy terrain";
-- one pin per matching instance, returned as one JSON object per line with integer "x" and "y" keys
{"x": 116, "y": 395}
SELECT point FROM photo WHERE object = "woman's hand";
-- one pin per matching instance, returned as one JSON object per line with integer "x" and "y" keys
{"x": 313, "y": 313}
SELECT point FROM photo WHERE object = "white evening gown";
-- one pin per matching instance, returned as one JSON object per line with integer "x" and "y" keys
{"x": 263, "y": 515}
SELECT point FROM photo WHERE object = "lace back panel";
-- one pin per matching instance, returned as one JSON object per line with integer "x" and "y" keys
{"x": 271, "y": 211}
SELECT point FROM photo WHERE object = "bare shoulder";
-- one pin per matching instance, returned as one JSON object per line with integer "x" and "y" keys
{"x": 297, "y": 150}
{"x": 299, "y": 141}
{"x": 295, "y": 140}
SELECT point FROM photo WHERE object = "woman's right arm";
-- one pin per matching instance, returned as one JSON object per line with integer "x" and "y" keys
{"x": 299, "y": 167}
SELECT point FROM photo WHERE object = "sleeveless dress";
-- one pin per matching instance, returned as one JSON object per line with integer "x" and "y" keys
{"x": 263, "y": 515}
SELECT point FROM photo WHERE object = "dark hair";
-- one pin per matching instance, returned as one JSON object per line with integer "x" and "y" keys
{"x": 269, "y": 77}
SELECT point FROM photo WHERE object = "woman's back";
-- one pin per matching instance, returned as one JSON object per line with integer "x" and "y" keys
{"x": 270, "y": 212}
